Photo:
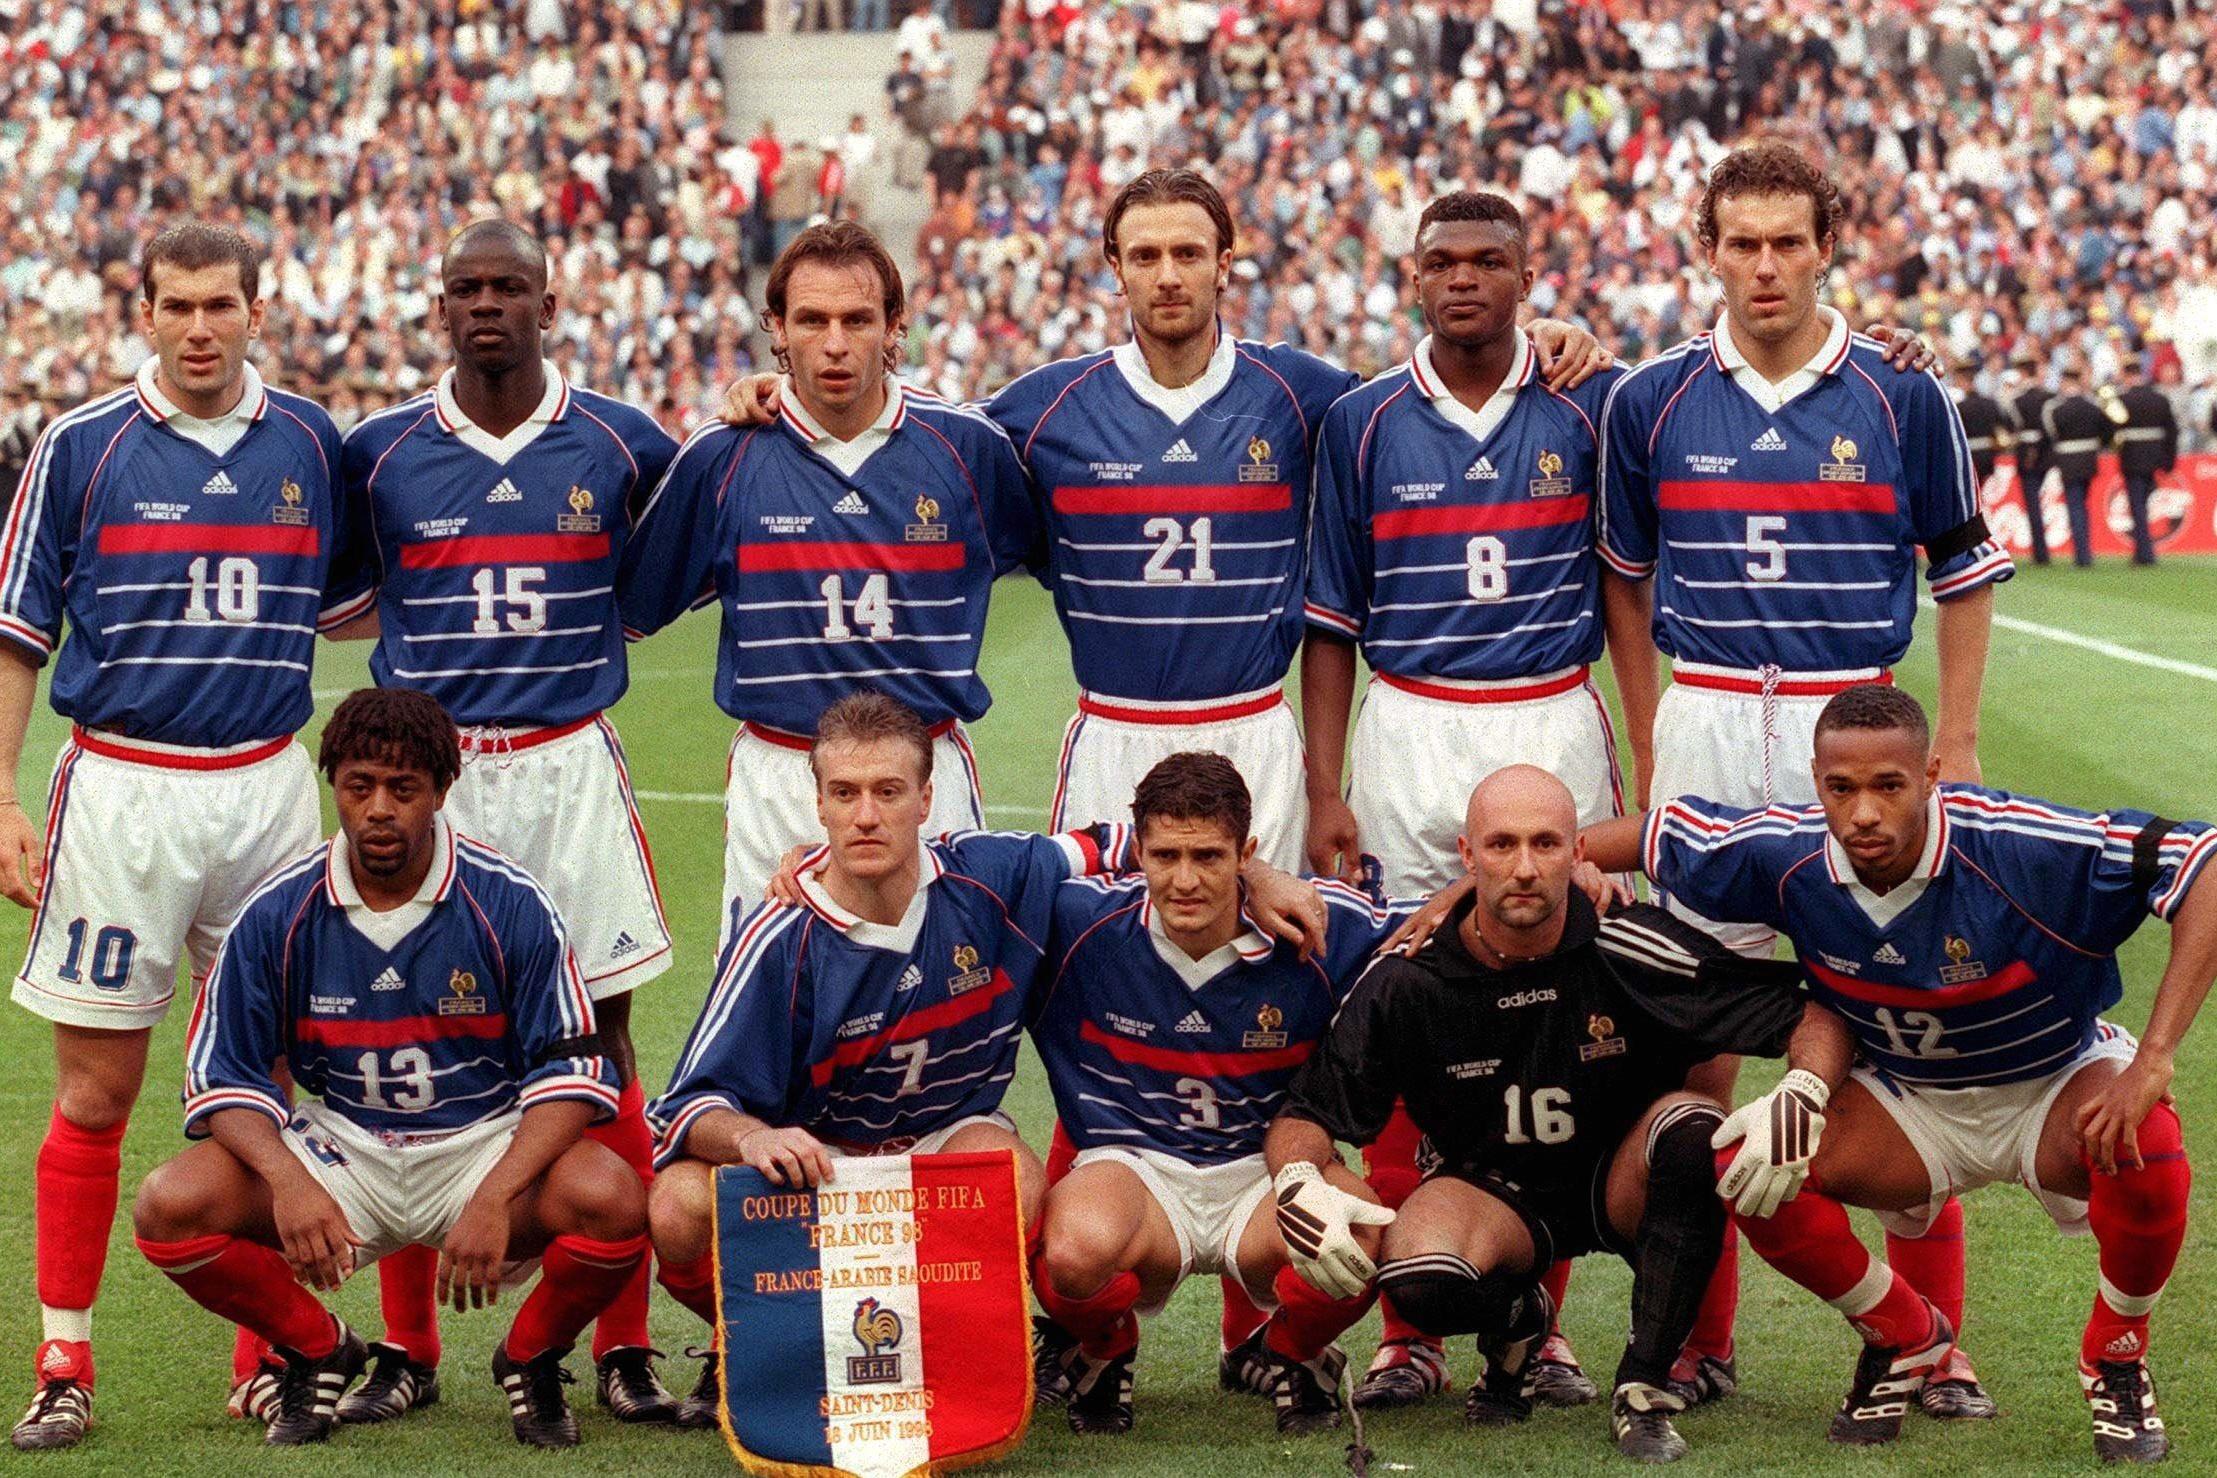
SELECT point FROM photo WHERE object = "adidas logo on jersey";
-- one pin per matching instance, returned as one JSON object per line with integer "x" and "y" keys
{"x": 912, "y": 977}
{"x": 624, "y": 945}
{"x": 1888, "y": 955}
{"x": 852, "y": 503}
{"x": 1769, "y": 441}
{"x": 219, "y": 486}
{"x": 1194, "y": 1022}
{"x": 505, "y": 492}
{"x": 1180, "y": 452}
{"x": 389, "y": 979}
{"x": 1481, "y": 471}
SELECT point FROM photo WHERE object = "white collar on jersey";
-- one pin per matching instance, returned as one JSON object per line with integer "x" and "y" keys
{"x": 898, "y": 938}
{"x": 1484, "y": 421}
{"x": 386, "y": 928}
{"x": 1884, "y": 908}
{"x": 218, "y": 433}
{"x": 847, "y": 456}
{"x": 1178, "y": 404}
{"x": 1772, "y": 394}
{"x": 1249, "y": 945}
{"x": 551, "y": 408}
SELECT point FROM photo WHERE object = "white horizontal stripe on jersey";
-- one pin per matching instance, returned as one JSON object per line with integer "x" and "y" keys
{"x": 1457, "y": 641}
{"x": 1181, "y": 619}
{"x": 841, "y": 641}
{"x": 202, "y": 661}
{"x": 486, "y": 671}
{"x": 1781, "y": 584}
{"x": 1173, "y": 1099}
{"x": 209, "y": 625}
{"x": 1180, "y": 583}
{"x": 856, "y": 1095}
{"x": 1175, "y": 1127}
{"x": 1995, "y": 1021}
{"x": 540, "y": 635}
{"x": 187, "y": 585}
{"x": 341, "y": 1075}
{"x": 471, "y": 600}
{"x": 916, "y": 1111}
{"x": 1739, "y": 546}
{"x": 1151, "y": 545}
{"x": 2029, "y": 1070}
{"x": 818, "y": 604}
{"x": 1466, "y": 601}
{"x": 850, "y": 676}
{"x": 1460, "y": 566}
{"x": 1780, "y": 625}
{"x": 2055, "y": 1026}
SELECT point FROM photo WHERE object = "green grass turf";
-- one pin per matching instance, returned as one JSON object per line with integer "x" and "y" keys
{"x": 2058, "y": 721}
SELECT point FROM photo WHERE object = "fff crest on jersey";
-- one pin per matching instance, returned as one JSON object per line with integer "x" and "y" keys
{"x": 927, "y": 529}
{"x": 1268, "y": 1034}
{"x": 1962, "y": 969}
{"x": 1843, "y": 467}
{"x": 581, "y": 519}
{"x": 288, "y": 507}
{"x": 1258, "y": 466}
{"x": 1550, "y": 483}
{"x": 462, "y": 998}
{"x": 878, "y": 1330}
{"x": 1605, "y": 1043}
{"x": 969, "y": 973}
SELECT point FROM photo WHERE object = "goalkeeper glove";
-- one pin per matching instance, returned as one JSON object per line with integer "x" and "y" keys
{"x": 1778, "y": 1134}
{"x": 1317, "y": 1220}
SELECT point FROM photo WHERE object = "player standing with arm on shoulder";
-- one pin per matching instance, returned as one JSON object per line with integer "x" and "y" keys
{"x": 189, "y": 529}
{"x": 498, "y": 504}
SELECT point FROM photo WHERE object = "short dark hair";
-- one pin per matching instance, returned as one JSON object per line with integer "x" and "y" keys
{"x": 191, "y": 245}
{"x": 1196, "y": 785}
{"x": 837, "y": 244}
{"x": 516, "y": 237}
{"x": 1168, "y": 187}
{"x": 392, "y": 726}
{"x": 1476, "y": 205}
{"x": 1768, "y": 167}
{"x": 1875, "y": 706}
{"x": 869, "y": 716}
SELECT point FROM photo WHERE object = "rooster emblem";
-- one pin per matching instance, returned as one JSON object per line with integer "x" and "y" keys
{"x": 876, "y": 1327}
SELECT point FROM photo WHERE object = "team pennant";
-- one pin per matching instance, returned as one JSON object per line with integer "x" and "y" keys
{"x": 877, "y": 1326}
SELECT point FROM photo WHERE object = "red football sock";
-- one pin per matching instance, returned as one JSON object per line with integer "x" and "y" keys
{"x": 1810, "y": 1241}
{"x": 2139, "y": 1222}
{"x": 1391, "y": 1162}
{"x": 1933, "y": 1263}
{"x": 1061, "y": 1151}
{"x": 248, "y": 1284}
{"x": 578, "y": 1277}
{"x": 78, "y": 1172}
{"x": 625, "y": 1322}
{"x": 407, "y": 1297}
{"x": 1308, "y": 1318}
{"x": 248, "y": 1352}
{"x": 692, "y": 1284}
{"x": 1241, "y": 1317}
{"x": 1720, "y": 1304}
{"x": 1556, "y": 1280}
{"x": 1103, "y": 1321}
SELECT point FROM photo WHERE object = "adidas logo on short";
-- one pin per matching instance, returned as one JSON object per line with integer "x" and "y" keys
{"x": 1194, "y": 1022}
{"x": 1888, "y": 955}
{"x": 624, "y": 945}
{"x": 219, "y": 486}
{"x": 1481, "y": 471}
{"x": 1180, "y": 452}
{"x": 1769, "y": 441}
{"x": 389, "y": 979}
{"x": 852, "y": 503}
{"x": 505, "y": 492}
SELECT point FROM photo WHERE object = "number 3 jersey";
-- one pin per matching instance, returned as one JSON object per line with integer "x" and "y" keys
{"x": 1538, "y": 1070}
{"x": 834, "y": 574}
{"x": 457, "y": 1007}
{"x": 1149, "y": 1048}
{"x": 497, "y": 555}
{"x": 1990, "y": 964}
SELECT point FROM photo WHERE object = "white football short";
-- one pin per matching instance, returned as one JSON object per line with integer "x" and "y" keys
{"x": 923, "y": 1144}
{"x": 1972, "y": 1137}
{"x": 559, "y": 802}
{"x": 1112, "y": 743}
{"x": 1422, "y": 745}
{"x": 151, "y": 851}
{"x": 770, "y": 807}
{"x": 397, "y": 1190}
{"x": 1209, "y": 1206}
{"x": 1720, "y": 737}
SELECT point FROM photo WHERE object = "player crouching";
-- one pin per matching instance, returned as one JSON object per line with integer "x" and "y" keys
{"x": 422, "y": 991}
{"x": 1170, "y": 1031}
{"x": 1540, "y": 1048}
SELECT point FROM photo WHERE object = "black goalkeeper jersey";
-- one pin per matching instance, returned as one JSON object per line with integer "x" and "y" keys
{"x": 1534, "y": 1071}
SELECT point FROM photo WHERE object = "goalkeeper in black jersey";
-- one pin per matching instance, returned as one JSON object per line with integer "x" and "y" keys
{"x": 1542, "y": 1049}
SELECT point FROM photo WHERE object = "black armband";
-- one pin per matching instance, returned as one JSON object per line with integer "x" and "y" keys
{"x": 589, "y": 1045}
{"x": 2147, "y": 852}
{"x": 1961, "y": 539}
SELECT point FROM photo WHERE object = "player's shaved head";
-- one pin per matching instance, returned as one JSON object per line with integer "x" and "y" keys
{"x": 1520, "y": 842}
{"x": 493, "y": 234}
{"x": 1520, "y": 795}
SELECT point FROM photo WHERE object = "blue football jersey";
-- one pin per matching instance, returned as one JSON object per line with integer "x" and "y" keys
{"x": 867, "y": 1034}
{"x": 1174, "y": 541}
{"x": 478, "y": 1009}
{"x": 1790, "y": 538}
{"x": 1147, "y": 1047}
{"x": 1451, "y": 555}
{"x": 1991, "y": 964}
{"x": 194, "y": 584}
{"x": 497, "y": 556}
{"x": 828, "y": 580}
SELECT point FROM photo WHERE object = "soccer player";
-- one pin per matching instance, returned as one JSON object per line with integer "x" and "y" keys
{"x": 1765, "y": 488}
{"x": 1968, "y": 938}
{"x": 422, "y": 992}
{"x": 1169, "y": 1030}
{"x": 854, "y": 541}
{"x": 188, "y": 527}
{"x": 1542, "y": 1050}
{"x": 498, "y": 502}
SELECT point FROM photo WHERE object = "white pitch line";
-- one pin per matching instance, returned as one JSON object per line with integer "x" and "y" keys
{"x": 2106, "y": 648}
{"x": 705, "y": 798}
